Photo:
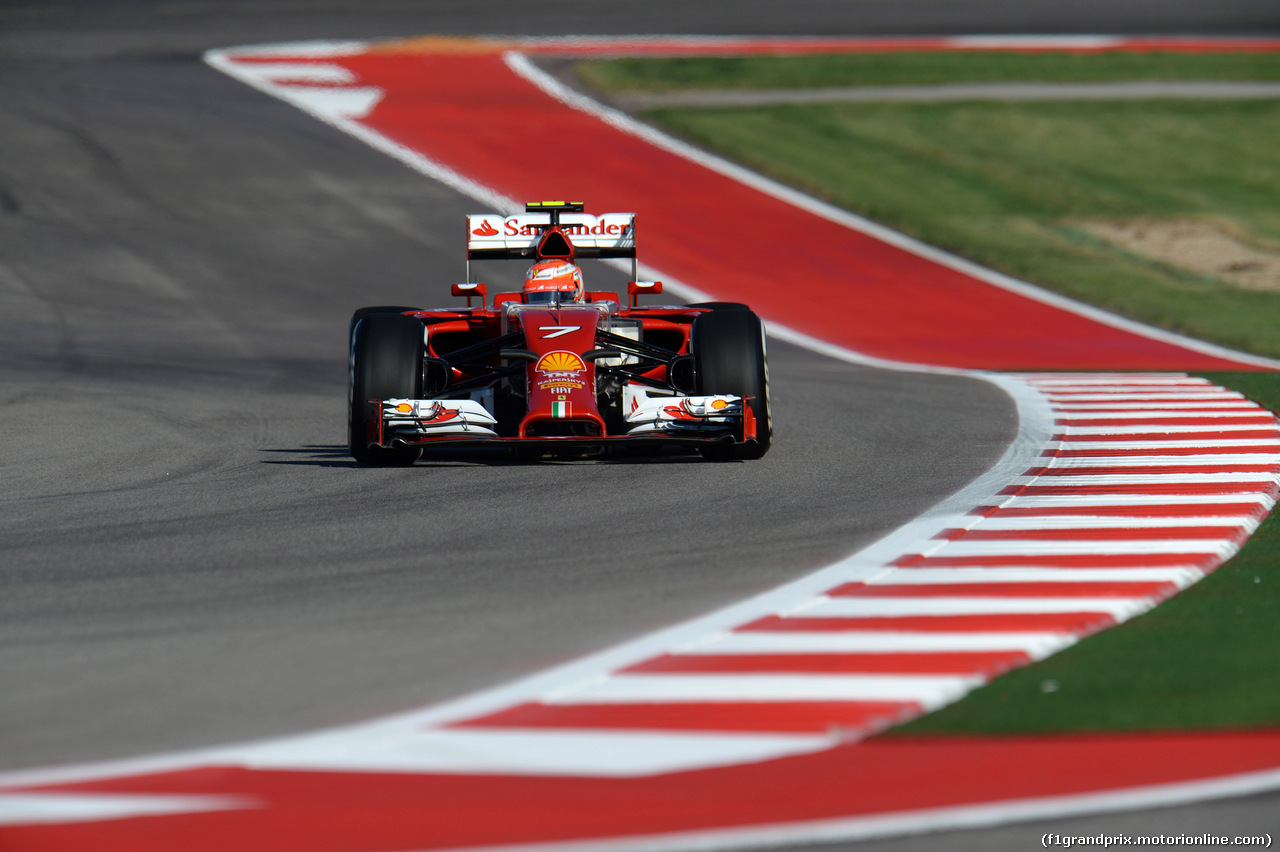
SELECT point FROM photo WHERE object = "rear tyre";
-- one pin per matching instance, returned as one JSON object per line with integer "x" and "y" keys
{"x": 729, "y": 358}
{"x": 385, "y": 363}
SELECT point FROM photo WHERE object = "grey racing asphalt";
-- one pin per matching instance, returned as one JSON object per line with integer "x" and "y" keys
{"x": 187, "y": 555}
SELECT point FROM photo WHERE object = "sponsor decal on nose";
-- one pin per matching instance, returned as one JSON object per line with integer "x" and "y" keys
{"x": 560, "y": 362}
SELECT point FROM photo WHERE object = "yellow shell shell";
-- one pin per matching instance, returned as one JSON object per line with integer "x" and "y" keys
{"x": 561, "y": 362}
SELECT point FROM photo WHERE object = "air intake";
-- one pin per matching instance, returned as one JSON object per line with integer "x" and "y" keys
{"x": 563, "y": 429}
{"x": 555, "y": 245}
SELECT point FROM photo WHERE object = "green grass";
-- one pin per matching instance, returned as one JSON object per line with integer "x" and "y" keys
{"x": 1208, "y": 658}
{"x": 1006, "y": 185}
{"x": 919, "y": 68}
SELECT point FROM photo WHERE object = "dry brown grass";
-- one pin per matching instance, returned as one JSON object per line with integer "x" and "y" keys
{"x": 1202, "y": 247}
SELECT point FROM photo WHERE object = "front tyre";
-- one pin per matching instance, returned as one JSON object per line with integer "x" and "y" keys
{"x": 720, "y": 306}
{"x": 386, "y": 363}
{"x": 729, "y": 358}
{"x": 361, "y": 313}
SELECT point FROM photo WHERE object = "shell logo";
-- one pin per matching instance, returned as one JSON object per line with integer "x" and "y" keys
{"x": 561, "y": 362}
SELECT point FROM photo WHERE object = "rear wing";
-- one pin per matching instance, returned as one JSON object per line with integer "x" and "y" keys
{"x": 548, "y": 229}
{"x": 494, "y": 237}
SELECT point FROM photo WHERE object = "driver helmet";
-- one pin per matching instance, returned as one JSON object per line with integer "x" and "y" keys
{"x": 553, "y": 281}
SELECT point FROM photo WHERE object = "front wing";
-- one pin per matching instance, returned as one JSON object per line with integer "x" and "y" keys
{"x": 650, "y": 420}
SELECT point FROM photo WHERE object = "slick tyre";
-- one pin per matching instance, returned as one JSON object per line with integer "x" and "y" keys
{"x": 721, "y": 306}
{"x": 361, "y": 313}
{"x": 729, "y": 358}
{"x": 386, "y": 363}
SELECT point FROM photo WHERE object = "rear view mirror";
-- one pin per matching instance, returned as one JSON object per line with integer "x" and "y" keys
{"x": 638, "y": 288}
{"x": 470, "y": 290}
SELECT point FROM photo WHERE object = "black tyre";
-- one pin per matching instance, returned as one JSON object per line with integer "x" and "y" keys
{"x": 721, "y": 306}
{"x": 386, "y": 363}
{"x": 729, "y": 358}
{"x": 377, "y": 309}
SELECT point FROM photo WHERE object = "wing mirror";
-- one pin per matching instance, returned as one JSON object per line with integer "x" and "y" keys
{"x": 470, "y": 290}
{"x": 638, "y": 288}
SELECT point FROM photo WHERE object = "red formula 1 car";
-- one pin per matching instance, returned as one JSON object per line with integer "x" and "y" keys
{"x": 554, "y": 369}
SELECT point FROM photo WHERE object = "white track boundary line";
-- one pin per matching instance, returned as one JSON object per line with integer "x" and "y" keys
{"x": 222, "y": 60}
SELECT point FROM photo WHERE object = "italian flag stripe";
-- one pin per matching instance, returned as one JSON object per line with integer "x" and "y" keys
{"x": 559, "y": 409}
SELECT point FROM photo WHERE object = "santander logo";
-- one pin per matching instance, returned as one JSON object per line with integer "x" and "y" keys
{"x": 594, "y": 231}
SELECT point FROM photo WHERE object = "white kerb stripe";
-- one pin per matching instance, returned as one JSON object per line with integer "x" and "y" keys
{"x": 1058, "y": 501}
{"x": 37, "y": 808}
{"x": 1128, "y": 386}
{"x": 1178, "y": 478}
{"x": 1072, "y": 547}
{"x": 1034, "y": 644}
{"x": 302, "y": 72}
{"x": 1162, "y": 405}
{"x": 1147, "y": 429}
{"x": 1173, "y": 443}
{"x": 1250, "y": 413}
{"x": 1103, "y": 522}
{"x": 1182, "y": 577}
{"x": 1057, "y": 383}
{"x": 1117, "y": 608}
{"x": 1169, "y": 461}
{"x": 528, "y": 752}
{"x": 926, "y": 690}
{"x": 1048, "y": 42}
{"x": 326, "y": 101}
{"x": 1179, "y": 397}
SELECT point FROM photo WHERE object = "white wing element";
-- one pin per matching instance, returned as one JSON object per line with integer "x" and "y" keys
{"x": 663, "y": 413}
{"x": 432, "y": 417}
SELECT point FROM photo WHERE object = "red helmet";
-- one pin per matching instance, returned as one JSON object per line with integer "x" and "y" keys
{"x": 549, "y": 277}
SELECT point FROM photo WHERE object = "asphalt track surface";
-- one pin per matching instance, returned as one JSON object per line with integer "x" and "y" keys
{"x": 188, "y": 556}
